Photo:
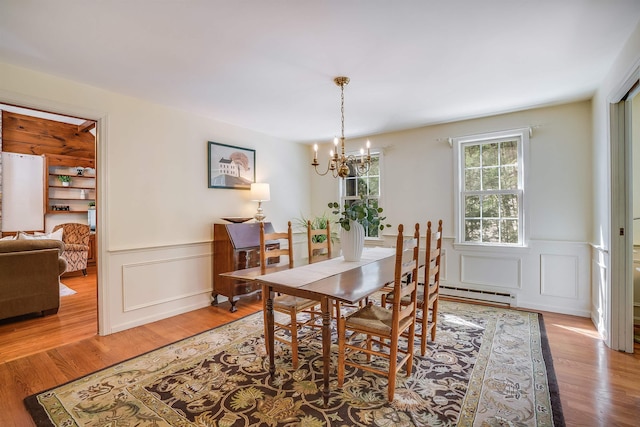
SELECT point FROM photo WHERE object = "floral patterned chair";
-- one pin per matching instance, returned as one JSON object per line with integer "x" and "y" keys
{"x": 76, "y": 245}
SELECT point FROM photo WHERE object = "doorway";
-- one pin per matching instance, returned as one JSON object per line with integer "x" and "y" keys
{"x": 633, "y": 130}
{"x": 625, "y": 216}
{"x": 79, "y": 311}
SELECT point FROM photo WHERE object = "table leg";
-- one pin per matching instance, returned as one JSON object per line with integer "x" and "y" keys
{"x": 269, "y": 340}
{"x": 325, "y": 305}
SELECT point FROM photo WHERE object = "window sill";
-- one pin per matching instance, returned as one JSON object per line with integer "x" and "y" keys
{"x": 468, "y": 247}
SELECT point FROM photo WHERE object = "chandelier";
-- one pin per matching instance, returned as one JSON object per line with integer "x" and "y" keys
{"x": 342, "y": 165}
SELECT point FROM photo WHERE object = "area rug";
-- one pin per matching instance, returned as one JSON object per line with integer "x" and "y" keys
{"x": 488, "y": 367}
{"x": 65, "y": 290}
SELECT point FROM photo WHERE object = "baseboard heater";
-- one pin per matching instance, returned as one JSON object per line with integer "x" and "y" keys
{"x": 500, "y": 298}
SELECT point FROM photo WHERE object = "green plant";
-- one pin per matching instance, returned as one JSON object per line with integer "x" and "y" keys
{"x": 92, "y": 204}
{"x": 64, "y": 178}
{"x": 317, "y": 223}
{"x": 363, "y": 211}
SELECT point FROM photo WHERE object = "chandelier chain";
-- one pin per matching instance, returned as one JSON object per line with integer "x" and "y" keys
{"x": 342, "y": 107}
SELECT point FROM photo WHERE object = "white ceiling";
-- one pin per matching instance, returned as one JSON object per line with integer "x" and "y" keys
{"x": 269, "y": 65}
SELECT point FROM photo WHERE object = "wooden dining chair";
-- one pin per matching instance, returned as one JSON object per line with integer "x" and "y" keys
{"x": 428, "y": 288}
{"x": 318, "y": 243}
{"x": 287, "y": 304}
{"x": 382, "y": 326}
{"x": 320, "y": 250}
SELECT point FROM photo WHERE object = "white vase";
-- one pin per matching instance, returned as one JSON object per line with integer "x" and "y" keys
{"x": 352, "y": 241}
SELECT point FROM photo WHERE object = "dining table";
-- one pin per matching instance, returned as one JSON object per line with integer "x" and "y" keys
{"x": 326, "y": 281}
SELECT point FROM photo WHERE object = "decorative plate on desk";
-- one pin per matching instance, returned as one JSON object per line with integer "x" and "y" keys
{"x": 236, "y": 219}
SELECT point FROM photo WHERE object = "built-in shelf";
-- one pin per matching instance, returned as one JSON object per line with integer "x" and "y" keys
{"x": 72, "y": 198}
{"x": 68, "y": 187}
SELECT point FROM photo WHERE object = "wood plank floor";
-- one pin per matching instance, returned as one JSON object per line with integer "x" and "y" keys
{"x": 598, "y": 386}
{"x": 76, "y": 320}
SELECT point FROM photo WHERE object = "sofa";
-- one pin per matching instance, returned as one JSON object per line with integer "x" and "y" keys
{"x": 30, "y": 276}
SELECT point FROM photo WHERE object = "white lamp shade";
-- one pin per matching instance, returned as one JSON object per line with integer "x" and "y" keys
{"x": 260, "y": 192}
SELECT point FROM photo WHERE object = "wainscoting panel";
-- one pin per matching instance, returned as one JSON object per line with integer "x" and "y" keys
{"x": 559, "y": 275}
{"x": 545, "y": 275}
{"x": 143, "y": 285}
{"x": 174, "y": 279}
{"x": 504, "y": 272}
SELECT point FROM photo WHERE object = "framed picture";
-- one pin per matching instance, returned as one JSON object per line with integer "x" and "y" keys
{"x": 231, "y": 167}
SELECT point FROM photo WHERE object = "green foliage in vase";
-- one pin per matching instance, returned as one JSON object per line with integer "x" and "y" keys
{"x": 64, "y": 178}
{"x": 361, "y": 211}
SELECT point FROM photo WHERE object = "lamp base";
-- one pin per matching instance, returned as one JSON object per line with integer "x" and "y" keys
{"x": 259, "y": 216}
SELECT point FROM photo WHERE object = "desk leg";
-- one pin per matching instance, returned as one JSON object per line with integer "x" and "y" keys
{"x": 325, "y": 305}
{"x": 269, "y": 325}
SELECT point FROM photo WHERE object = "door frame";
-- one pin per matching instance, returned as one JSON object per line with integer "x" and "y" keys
{"x": 101, "y": 120}
{"x": 620, "y": 307}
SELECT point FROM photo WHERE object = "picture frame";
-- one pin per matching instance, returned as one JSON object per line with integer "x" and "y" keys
{"x": 230, "y": 167}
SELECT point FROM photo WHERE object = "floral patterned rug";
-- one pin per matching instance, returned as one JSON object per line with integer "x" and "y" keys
{"x": 488, "y": 367}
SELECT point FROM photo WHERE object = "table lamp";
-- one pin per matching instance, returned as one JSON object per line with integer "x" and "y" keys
{"x": 260, "y": 193}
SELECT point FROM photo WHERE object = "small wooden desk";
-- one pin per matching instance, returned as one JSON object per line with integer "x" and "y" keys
{"x": 353, "y": 282}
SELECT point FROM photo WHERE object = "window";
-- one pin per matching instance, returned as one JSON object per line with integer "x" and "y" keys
{"x": 490, "y": 182}
{"x": 354, "y": 187}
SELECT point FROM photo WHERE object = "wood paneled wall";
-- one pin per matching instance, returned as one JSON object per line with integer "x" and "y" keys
{"x": 33, "y": 135}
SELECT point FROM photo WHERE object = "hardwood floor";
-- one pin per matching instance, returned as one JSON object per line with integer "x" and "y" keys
{"x": 598, "y": 386}
{"x": 76, "y": 320}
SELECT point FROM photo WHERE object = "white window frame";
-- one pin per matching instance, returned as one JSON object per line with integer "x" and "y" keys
{"x": 343, "y": 189}
{"x": 523, "y": 149}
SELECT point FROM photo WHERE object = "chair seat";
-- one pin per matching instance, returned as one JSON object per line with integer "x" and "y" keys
{"x": 375, "y": 320}
{"x": 287, "y": 302}
{"x": 407, "y": 299}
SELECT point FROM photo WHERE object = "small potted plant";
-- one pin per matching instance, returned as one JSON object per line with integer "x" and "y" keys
{"x": 65, "y": 180}
{"x": 317, "y": 223}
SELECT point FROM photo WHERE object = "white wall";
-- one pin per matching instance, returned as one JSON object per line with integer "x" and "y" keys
{"x": 154, "y": 207}
{"x": 553, "y": 273}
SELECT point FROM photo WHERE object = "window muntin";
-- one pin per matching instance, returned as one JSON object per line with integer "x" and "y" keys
{"x": 354, "y": 187}
{"x": 491, "y": 183}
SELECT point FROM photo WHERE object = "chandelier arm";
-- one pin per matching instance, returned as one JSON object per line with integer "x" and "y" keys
{"x": 362, "y": 165}
{"x": 330, "y": 167}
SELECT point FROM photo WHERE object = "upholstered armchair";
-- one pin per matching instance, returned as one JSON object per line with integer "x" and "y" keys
{"x": 76, "y": 245}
